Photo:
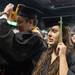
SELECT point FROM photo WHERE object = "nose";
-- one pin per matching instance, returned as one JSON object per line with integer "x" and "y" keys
{"x": 50, "y": 34}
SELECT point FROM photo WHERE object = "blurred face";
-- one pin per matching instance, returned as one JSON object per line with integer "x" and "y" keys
{"x": 73, "y": 37}
{"x": 53, "y": 35}
{"x": 23, "y": 25}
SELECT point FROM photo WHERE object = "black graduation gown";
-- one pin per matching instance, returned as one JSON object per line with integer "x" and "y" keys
{"x": 71, "y": 61}
{"x": 18, "y": 50}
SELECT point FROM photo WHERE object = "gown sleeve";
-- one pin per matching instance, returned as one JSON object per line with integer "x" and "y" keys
{"x": 20, "y": 46}
{"x": 71, "y": 63}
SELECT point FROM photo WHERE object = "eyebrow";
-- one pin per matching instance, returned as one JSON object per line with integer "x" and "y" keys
{"x": 54, "y": 28}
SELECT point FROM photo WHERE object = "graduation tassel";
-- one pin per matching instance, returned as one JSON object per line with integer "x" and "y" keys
{"x": 60, "y": 34}
{"x": 61, "y": 23}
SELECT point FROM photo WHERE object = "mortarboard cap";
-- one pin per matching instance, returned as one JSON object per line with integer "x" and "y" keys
{"x": 28, "y": 12}
{"x": 56, "y": 21}
{"x": 49, "y": 22}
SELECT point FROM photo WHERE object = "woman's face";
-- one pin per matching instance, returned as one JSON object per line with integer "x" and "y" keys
{"x": 53, "y": 35}
{"x": 73, "y": 37}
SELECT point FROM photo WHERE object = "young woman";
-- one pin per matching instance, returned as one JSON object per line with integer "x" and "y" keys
{"x": 71, "y": 51}
{"x": 53, "y": 61}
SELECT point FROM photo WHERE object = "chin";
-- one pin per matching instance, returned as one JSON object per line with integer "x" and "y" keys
{"x": 51, "y": 43}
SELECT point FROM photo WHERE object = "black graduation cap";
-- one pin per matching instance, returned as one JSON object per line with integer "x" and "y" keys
{"x": 28, "y": 12}
{"x": 49, "y": 22}
{"x": 56, "y": 21}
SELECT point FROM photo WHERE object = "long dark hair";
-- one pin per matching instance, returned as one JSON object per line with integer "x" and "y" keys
{"x": 46, "y": 55}
{"x": 71, "y": 33}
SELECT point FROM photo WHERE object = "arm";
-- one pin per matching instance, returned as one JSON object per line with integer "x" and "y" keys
{"x": 63, "y": 66}
{"x": 67, "y": 63}
{"x": 3, "y": 19}
{"x": 6, "y": 35}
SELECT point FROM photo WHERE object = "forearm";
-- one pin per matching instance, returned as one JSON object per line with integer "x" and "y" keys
{"x": 63, "y": 68}
{"x": 4, "y": 27}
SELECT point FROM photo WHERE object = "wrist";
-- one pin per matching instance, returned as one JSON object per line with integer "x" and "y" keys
{"x": 62, "y": 55}
{"x": 5, "y": 13}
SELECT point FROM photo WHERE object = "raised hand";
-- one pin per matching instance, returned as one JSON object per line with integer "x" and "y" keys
{"x": 61, "y": 48}
{"x": 8, "y": 8}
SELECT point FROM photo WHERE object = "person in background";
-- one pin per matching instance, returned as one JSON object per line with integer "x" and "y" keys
{"x": 72, "y": 34}
{"x": 71, "y": 50}
{"x": 19, "y": 50}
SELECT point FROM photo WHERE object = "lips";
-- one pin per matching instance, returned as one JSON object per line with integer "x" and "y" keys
{"x": 50, "y": 40}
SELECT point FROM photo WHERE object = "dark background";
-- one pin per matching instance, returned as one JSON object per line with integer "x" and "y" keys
{"x": 50, "y": 8}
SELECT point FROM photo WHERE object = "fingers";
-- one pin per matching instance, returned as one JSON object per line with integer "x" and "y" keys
{"x": 8, "y": 7}
{"x": 61, "y": 48}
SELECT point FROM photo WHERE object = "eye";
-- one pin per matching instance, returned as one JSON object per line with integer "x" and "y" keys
{"x": 54, "y": 30}
{"x": 72, "y": 33}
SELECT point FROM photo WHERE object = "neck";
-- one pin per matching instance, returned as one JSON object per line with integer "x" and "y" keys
{"x": 53, "y": 48}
